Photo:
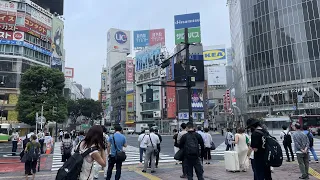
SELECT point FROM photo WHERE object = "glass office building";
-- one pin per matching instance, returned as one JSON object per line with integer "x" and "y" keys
{"x": 276, "y": 55}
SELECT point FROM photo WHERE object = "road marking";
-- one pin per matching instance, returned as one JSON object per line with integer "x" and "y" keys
{"x": 147, "y": 175}
{"x": 314, "y": 173}
{"x": 16, "y": 177}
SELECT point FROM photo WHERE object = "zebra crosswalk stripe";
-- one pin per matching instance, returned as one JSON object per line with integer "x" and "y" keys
{"x": 133, "y": 157}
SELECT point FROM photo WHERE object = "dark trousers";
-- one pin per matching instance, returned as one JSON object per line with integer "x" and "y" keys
{"x": 288, "y": 148}
{"x": 228, "y": 147}
{"x": 261, "y": 170}
{"x": 196, "y": 164}
{"x": 253, "y": 169}
{"x": 65, "y": 157}
{"x": 41, "y": 141}
{"x": 111, "y": 163}
{"x": 184, "y": 167}
{"x": 142, "y": 150}
{"x": 14, "y": 147}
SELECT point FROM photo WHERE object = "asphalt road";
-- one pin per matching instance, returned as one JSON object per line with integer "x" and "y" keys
{"x": 167, "y": 143}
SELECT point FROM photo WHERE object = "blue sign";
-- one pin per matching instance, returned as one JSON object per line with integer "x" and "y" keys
{"x": 121, "y": 37}
{"x": 27, "y": 45}
{"x": 148, "y": 58}
{"x": 141, "y": 38}
{"x": 186, "y": 21}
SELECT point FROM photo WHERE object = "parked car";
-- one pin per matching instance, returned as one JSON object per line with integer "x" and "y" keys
{"x": 128, "y": 130}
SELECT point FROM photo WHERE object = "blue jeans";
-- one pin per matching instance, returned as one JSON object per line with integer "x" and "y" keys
{"x": 314, "y": 154}
{"x": 142, "y": 150}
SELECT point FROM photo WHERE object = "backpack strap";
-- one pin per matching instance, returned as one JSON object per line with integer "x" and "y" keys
{"x": 88, "y": 151}
{"x": 115, "y": 145}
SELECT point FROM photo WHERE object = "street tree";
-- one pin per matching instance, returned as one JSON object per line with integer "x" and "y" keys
{"x": 88, "y": 108}
{"x": 41, "y": 86}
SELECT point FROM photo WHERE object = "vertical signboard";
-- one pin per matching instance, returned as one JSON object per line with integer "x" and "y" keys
{"x": 118, "y": 41}
{"x": 68, "y": 72}
{"x": 57, "y": 43}
{"x": 190, "y": 21}
{"x": 197, "y": 100}
{"x": 130, "y": 107}
{"x": 171, "y": 100}
{"x": 130, "y": 71}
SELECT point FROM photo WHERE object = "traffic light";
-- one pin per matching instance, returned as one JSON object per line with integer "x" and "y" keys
{"x": 165, "y": 63}
{"x": 149, "y": 95}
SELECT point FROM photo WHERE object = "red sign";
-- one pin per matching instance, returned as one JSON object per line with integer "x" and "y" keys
{"x": 36, "y": 27}
{"x": 8, "y": 27}
{"x": 9, "y": 19}
{"x": 171, "y": 100}
{"x": 6, "y": 35}
{"x": 18, "y": 35}
{"x": 157, "y": 36}
{"x": 130, "y": 71}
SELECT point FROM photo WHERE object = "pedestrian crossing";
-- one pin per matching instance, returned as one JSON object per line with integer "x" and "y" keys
{"x": 222, "y": 147}
{"x": 133, "y": 157}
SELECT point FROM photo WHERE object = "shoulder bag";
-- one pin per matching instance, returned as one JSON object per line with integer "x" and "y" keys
{"x": 155, "y": 150}
{"x": 120, "y": 155}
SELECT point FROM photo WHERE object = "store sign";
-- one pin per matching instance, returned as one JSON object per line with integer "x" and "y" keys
{"x": 156, "y": 114}
{"x": 27, "y": 45}
{"x": 37, "y": 15}
{"x": 195, "y": 115}
{"x": 35, "y": 26}
{"x": 6, "y": 35}
{"x": 37, "y": 7}
{"x": 147, "y": 75}
{"x": 306, "y": 89}
{"x": 8, "y": 27}
{"x": 18, "y": 36}
{"x": 8, "y": 6}
{"x": 8, "y": 18}
{"x": 194, "y": 35}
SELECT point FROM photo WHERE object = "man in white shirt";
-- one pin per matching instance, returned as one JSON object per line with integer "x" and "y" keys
{"x": 41, "y": 140}
{"x": 229, "y": 139}
{"x": 287, "y": 142}
{"x": 199, "y": 131}
{"x": 142, "y": 146}
{"x": 151, "y": 142}
{"x": 14, "y": 139}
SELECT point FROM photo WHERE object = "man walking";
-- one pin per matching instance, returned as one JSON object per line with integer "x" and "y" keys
{"x": 41, "y": 140}
{"x": 190, "y": 144}
{"x": 301, "y": 144}
{"x": 143, "y": 146}
{"x": 307, "y": 132}
{"x": 287, "y": 141}
{"x": 229, "y": 140}
{"x": 14, "y": 139}
{"x": 180, "y": 134}
{"x": 158, "y": 147}
{"x": 151, "y": 142}
{"x": 115, "y": 143}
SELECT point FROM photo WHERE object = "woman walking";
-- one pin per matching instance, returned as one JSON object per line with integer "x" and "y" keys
{"x": 32, "y": 153}
{"x": 93, "y": 139}
{"x": 241, "y": 148}
{"x": 207, "y": 143}
{"x": 66, "y": 147}
{"x": 175, "y": 142}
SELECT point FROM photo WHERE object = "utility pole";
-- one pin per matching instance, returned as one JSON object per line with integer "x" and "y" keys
{"x": 188, "y": 78}
{"x": 41, "y": 117}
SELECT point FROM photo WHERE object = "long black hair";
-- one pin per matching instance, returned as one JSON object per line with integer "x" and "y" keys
{"x": 94, "y": 137}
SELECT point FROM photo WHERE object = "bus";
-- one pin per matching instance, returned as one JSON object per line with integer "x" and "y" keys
{"x": 311, "y": 121}
{"x": 4, "y": 132}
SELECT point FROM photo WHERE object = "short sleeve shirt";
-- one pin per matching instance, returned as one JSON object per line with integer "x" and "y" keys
{"x": 256, "y": 142}
{"x": 120, "y": 142}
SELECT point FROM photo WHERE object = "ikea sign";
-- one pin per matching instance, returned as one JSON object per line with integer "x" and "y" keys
{"x": 216, "y": 54}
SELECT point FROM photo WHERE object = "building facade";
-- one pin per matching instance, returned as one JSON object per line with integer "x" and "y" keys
{"x": 28, "y": 32}
{"x": 87, "y": 93}
{"x": 276, "y": 55}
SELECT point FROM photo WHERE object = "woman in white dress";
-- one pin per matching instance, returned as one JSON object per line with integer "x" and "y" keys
{"x": 241, "y": 147}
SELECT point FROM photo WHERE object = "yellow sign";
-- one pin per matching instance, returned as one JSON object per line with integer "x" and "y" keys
{"x": 217, "y": 54}
{"x": 130, "y": 108}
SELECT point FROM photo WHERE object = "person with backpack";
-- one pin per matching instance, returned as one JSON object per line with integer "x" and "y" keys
{"x": 96, "y": 165}
{"x": 301, "y": 144}
{"x": 175, "y": 143}
{"x": 151, "y": 142}
{"x": 229, "y": 139}
{"x": 180, "y": 134}
{"x": 287, "y": 141}
{"x": 14, "y": 139}
{"x": 190, "y": 144}
{"x": 142, "y": 145}
{"x": 262, "y": 170}
{"x": 80, "y": 137}
{"x": 116, "y": 153}
{"x": 66, "y": 147}
{"x": 307, "y": 132}
{"x": 32, "y": 153}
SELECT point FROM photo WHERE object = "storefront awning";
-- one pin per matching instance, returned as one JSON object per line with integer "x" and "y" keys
{"x": 129, "y": 122}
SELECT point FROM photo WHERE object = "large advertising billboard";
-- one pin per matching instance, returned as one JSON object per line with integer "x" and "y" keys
{"x": 171, "y": 100}
{"x": 190, "y": 21}
{"x": 130, "y": 71}
{"x": 57, "y": 41}
{"x": 170, "y": 70}
{"x": 130, "y": 116}
{"x": 197, "y": 100}
{"x": 118, "y": 41}
{"x": 215, "y": 54}
{"x": 144, "y": 38}
{"x": 148, "y": 58}
{"x": 217, "y": 75}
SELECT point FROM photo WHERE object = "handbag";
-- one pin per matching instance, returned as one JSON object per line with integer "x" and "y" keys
{"x": 155, "y": 151}
{"x": 120, "y": 155}
{"x": 24, "y": 157}
{"x": 179, "y": 155}
{"x": 213, "y": 146}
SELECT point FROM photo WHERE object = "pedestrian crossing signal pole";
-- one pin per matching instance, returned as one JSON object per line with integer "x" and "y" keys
{"x": 188, "y": 77}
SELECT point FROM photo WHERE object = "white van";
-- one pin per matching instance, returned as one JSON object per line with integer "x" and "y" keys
{"x": 128, "y": 130}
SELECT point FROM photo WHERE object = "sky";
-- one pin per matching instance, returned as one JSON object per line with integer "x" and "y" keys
{"x": 87, "y": 23}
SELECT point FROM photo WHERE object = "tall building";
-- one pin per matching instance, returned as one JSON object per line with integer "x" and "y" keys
{"x": 276, "y": 56}
{"x": 87, "y": 93}
{"x": 32, "y": 34}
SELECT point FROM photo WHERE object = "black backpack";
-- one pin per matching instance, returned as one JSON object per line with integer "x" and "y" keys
{"x": 33, "y": 152}
{"x": 287, "y": 138}
{"x": 72, "y": 168}
{"x": 191, "y": 147}
{"x": 273, "y": 152}
{"x": 310, "y": 139}
{"x": 67, "y": 149}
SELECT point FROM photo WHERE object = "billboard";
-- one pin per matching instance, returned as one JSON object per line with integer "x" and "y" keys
{"x": 42, "y": 18}
{"x": 130, "y": 116}
{"x": 170, "y": 70}
{"x": 118, "y": 41}
{"x": 197, "y": 99}
{"x": 144, "y": 38}
{"x": 130, "y": 71}
{"x": 217, "y": 75}
{"x": 215, "y": 54}
{"x": 148, "y": 59}
{"x": 57, "y": 39}
{"x": 171, "y": 100}
{"x": 190, "y": 21}
{"x": 68, "y": 72}
{"x": 8, "y": 6}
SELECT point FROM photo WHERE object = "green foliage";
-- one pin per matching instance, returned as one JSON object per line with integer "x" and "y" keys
{"x": 41, "y": 86}
{"x": 85, "y": 107}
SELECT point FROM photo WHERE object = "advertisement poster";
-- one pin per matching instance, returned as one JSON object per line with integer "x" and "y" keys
{"x": 171, "y": 100}
{"x": 170, "y": 70}
{"x": 56, "y": 64}
{"x": 197, "y": 100}
{"x": 215, "y": 54}
{"x": 118, "y": 41}
{"x": 194, "y": 35}
{"x": 148, "y": 58}
{"x": 217, "y": 75}
{"x": 130, "y": 71}
{"x": 190, "y": 21}
{"x": 157, "y": 36}
{"x": 57, "y": 39}
{"x": 68, "y": 72}
{"x": 130, "y": 108}
{"x": 144, "y": 38}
